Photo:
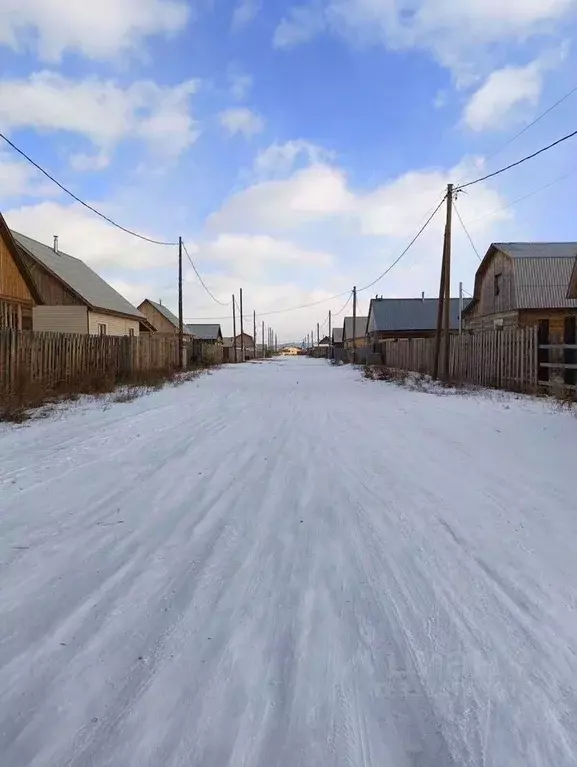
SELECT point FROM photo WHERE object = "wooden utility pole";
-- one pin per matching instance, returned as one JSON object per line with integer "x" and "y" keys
{"x": 330, "y": 326}
{"x": 447, "y": 306}
{"x": 234, "y": 327}
{"x": 354, "y": 325}
{"x": 262, "y": 339}
{"x": 318, "y": 336}
{"x": 460, "y": 308}
{"x": 254, "y": 332}
{"x": 275, "y": 343}
{"x": 241, "y": 330}
{"x": 443, "y": 287}
{"x": 180, "y": 318}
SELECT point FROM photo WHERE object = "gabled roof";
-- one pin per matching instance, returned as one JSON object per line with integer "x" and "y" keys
{"x": 205, "y": 332}
{"x": 394, "y": 315}
{"x": 541, "y": 273}
{"x": 166, "y": 313}
{"x": 360, "y": 328}
{"x": 79, "y": 278}
{"x": 326, "y": 341}
{"x": 8, "y": 238}
{"x": 337, "y": 335}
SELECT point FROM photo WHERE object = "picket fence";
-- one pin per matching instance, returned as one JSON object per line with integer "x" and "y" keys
{"x": 504, "y": 359}
{"x": 54, "y": 359}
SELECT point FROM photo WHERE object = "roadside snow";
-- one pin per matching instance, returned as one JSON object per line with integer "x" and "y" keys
{"x": 285, "y": 564}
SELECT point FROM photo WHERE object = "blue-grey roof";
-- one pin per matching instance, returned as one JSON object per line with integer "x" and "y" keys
{"x": 412, "y": 314}
{"x": 205, "y": 332}
{"x": 538, "y": 249}
{"x": 97, "y": 293}
{"x": 360, "y": 328}
{"x": 337, "y": 335}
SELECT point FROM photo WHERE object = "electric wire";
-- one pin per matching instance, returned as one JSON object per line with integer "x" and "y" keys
{"x": 221, "y": 303}
{"x": 466, "y": 231}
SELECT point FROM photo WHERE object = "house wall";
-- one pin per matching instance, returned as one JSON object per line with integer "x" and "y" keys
{"x": 13, "y": 287}
{"x": 162, "y": 325}
{"x": 116, "y": 325}
{"x": 556, "y": 319}
{"x": 60, "y": 319}
{"x": 52, "y": 291}
{"x": 489, "y": 303}
{"x": 490, "y": 321}
{"x": 361, "y": 341}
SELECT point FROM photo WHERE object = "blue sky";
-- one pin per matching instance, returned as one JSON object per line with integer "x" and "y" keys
{"x": 297, "y": 149}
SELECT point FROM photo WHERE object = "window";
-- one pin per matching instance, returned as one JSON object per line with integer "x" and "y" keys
{"x": 131, "y": 332}
{"x": 101, "y": 329}
{"x": 497, "y": 280}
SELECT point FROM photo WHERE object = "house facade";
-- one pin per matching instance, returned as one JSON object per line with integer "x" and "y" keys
{"x": 522, "y": 284}
{"x": 161, "y": 318}
{"x": 17, "y": 292}
{"x": 359, "y": 334}
{"x": 72, "y": 298}
{"x": 395, "y": 318}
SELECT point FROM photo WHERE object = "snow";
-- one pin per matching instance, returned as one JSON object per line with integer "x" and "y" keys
{"x": 284, "y": 564}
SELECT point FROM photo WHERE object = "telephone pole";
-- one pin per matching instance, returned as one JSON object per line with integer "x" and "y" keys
{"x": 234, "y": 327}
{"x": 180, "y": 318}
{"x": 447, "y": 307}
{"x": 262, "y": 339}
{"x": 275, "y": 343}
{"x": 318, "y": 336}
{"x": 241, "y": 330}
{"x": 330, "y": 325}
{"x": 254, "y": 332}
{"x": 444, "y": 291}
{"x": 460, "y": 308}
{"x": 354, "y": 325}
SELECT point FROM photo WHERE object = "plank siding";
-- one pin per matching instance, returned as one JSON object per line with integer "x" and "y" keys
{"x": 116, "y": 325}
{"x": 13, "y": 287}
{"x": 60, "y": 319}
{"x": 52, "y": 291}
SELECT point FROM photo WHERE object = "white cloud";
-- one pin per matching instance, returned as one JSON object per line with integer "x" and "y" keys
{"x": 87, "y": 237}
{"x": 245, "y": 12}
{"x": 85, "y": 162}
{"x": 457, "y": 32}
{"x": 98, "y": 30}
{"x": 101, "y": 110}
{"x": 507, "y": 93}
{"x": 240, "y": 85}
{"x": 241, "y": 120}
{"x": 280, "y": 159}
{"x": 20, "y": 179}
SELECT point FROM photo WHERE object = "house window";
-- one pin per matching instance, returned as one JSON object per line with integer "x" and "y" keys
{"x": 497, "y": 279}
{"x": 101, "y": 329}
{"x": 131, "y": 332}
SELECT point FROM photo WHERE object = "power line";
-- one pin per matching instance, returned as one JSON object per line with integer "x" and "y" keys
{"x": 519, "y": 162}
{"x": 85, "y": 204}
{"x": 347, "y": 302}
{"x": 465, "y": 230}
{"x": 221, "y": 303}
{"x": 406, "y": 250}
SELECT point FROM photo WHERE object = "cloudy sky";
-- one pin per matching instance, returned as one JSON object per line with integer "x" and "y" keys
{"x": 296, "y": 148}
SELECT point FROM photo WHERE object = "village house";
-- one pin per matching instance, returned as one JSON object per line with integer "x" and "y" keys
{"x": 359, "y": 335}
{"x": 394, "y": 318}
{"x": 18, "y": 294}
{"x": 161, "y": 318}
{"x": 572, "y": 292}
{"x": 210, "y": 334}
{"x": 71, "y": 297}
{"x": 521, "y": 284}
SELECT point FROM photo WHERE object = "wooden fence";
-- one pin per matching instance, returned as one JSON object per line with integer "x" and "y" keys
{"x": 504, "y": 359}
{"x": 55, "y": 359}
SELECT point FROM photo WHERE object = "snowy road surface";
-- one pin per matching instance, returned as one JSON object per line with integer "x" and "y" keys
{"x": 287, "y": 565}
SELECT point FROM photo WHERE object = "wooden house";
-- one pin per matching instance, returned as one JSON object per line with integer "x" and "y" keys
{"x": 521, "y": 284}
{"x": 407, "y": 318}
{"x": 72, "y": 298}
{"x": 18, "y": 293}
{"x": 572, "y": 291}
{"x": 161, "y": 318}
{"x": 211, "y": 334}
{"x": 359, "y": 334}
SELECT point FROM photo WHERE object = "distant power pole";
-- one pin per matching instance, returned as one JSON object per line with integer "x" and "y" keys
{"x": 275, "y": 343}
{"x": 234, "y": 326}
{"x": 254, "y": 332}
{"x": 460, "y": 308}
{"x": 180, "y": 319}
{"x": 318, "y": 336}
{"x": 330, "y": 325}
{"x": 241, "y": 330}
{"x": 262, "y": 339}
{"x": 354, "y": 325}
{"x": 444, "y": 292}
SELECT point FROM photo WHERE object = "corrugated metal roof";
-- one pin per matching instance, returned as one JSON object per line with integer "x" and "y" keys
{"x": 538, "y": 249}
{"x": 542, "y": 283}
{"x": 360, "y": 328}
{"x": 97, "y": 293}
{"x": 166, "y": 313}
{"x": 205, "y": 332}
{"x": 572, "y": 291}
{"x": 337, "y": 335}
{"x": 412, "y": 314}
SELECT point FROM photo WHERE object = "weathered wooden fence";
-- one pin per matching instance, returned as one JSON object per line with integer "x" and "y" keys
{"x": 504, "y": 359}
{"x": 54, "y": 359}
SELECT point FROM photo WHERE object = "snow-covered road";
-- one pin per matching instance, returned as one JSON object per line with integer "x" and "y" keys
{"x": 284, "y": 564}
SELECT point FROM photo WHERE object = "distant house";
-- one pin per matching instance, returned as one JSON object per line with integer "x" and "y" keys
{"x": 337, "y": 336}
{"x": 326, "y": 341}
{"x": 248, "y": 341}
{"x": 163, "y": 320}
{"x": 359, "y": 334}
{"x": 18, "y": 292}
{"x": 521, "y": 284}
{"x": 72, "y": 298}
{"x": 208, "y": 333}
{"x": 407, "y": 317}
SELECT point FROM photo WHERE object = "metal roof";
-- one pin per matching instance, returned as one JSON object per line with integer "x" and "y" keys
{"x": 337, "y": 335}
{"x": 166, "y": 313}
{"x": 542, "y": 283}
{"x": 360, "y": 328}
{"x": 538, "y": 249}
{"x": 97, "y": 293}
{"x": 572, "y": 291}
{"x": 205, "y": 332}
{"x": 412, "y": 314}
